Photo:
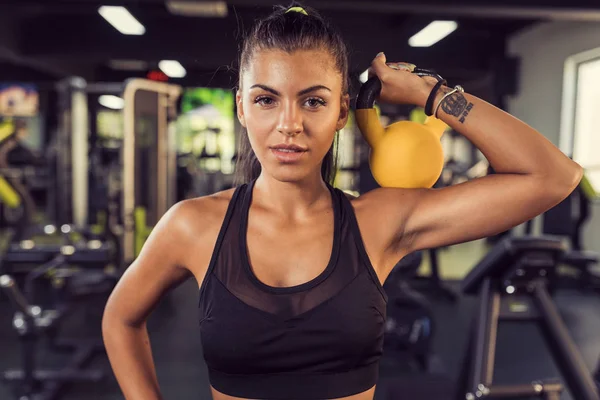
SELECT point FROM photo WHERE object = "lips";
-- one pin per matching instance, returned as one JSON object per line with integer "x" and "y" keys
{"x": 288, "y": 148}
{"x": 288, "y": 153}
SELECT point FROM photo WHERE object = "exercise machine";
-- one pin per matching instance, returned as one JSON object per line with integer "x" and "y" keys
{"x": 74, "y": 264}
{"x": 61, "y": 267}
{"x": 18, "y": 204}
{"x": 567, "y": 219}
{"x": 30, "y": 245}
{"x": 149, "y": 160}
{"x": 87, "y": 153}
{"x": 514, "y": 282}
{"x": 145, "y": 158}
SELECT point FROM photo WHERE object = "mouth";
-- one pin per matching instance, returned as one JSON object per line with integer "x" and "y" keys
{"x": 287, "y": 154}
{"x": 289, "y": 148}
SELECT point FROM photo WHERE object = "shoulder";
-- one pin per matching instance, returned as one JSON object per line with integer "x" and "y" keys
{"x": 206, "y": 206}
{"x": 190, "y": 223}
{"x": 189, "y": 218}
{"x": 190, "y": 229}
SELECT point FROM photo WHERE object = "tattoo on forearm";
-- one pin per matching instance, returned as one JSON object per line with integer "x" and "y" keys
{"x": 457, "y": 105}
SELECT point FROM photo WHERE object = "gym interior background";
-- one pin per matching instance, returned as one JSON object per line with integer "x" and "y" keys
{"x": 103, "y": 127}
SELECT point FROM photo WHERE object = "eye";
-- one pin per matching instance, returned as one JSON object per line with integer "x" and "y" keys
{"x": 315, "y": 102}
{"x": 264, "y": 101}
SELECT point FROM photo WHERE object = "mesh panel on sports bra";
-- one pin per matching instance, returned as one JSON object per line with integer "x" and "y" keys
{"x": 292, "y": 302}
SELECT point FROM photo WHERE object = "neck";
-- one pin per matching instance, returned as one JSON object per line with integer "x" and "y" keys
{"x": 292, "y": 199}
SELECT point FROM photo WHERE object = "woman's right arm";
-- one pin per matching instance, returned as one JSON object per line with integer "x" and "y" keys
{"x": 159, "y": 268}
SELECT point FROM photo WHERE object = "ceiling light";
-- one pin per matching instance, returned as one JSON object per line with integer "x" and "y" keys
{"x": 112, "y": 102}
{"x": 432, "y": 33}
{"x": 172, "y": 68}
{"x": 122, "y": 20}
{"x": 198, "y": 9}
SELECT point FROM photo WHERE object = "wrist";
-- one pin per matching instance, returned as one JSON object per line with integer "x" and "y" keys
{"x": 442, "y": 91}
{"x": 434, "y": 95}
{"x": 424, "y": 93}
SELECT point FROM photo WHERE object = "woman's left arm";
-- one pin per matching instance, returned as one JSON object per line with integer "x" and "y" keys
{"x": 532, "y": 175}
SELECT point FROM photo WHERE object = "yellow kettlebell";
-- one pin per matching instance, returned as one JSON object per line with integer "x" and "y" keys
{"x": 406, "y": 154}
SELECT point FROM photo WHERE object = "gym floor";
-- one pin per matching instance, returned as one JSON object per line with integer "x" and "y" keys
{"x": 521, "y": 354}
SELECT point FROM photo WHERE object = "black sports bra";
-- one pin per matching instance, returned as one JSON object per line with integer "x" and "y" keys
{"x": 319, "y": 340}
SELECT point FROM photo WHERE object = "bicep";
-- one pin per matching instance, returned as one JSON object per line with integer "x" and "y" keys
{"x": 479, "y": 208}
{"x": 156, "y": 270}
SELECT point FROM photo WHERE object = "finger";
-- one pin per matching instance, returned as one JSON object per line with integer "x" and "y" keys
{"x": 379, "y": 69}
{"x": 378, "y": 66}
{"x": 402, "y": 66}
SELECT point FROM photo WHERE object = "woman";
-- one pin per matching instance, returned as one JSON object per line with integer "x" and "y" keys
{"x": 290, "y": 270}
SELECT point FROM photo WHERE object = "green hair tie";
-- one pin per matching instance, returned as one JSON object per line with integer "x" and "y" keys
{"x": 297, "y": 9}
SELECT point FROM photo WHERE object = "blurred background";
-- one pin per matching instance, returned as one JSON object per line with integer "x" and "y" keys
{"x": 111, "y": 112}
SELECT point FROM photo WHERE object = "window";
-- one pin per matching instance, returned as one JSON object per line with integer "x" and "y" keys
{"x": 580, "y": 123}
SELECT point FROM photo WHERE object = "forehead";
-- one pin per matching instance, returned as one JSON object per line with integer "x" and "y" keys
{"x": 300, "y": 69}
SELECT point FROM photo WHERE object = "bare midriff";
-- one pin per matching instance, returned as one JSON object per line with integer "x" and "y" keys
{"x": 367, "y": 395}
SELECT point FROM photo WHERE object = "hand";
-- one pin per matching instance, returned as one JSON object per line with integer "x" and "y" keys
{"x": 398, "y": 84}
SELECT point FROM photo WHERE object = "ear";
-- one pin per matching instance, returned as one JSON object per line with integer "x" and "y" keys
{"x": 344, "y": 111}
{"x": 240, "y": 108}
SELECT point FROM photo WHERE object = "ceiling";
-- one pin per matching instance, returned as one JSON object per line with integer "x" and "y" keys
{"x": 47, "y": 40}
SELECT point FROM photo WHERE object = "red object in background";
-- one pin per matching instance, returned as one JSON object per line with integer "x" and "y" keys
{"x": 157, "y": 76}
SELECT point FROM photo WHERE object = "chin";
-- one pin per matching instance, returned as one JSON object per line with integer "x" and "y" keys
{"x": 291, "y": 173}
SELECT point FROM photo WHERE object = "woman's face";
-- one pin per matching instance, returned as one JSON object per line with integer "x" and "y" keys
{"x": 291, "y": 105}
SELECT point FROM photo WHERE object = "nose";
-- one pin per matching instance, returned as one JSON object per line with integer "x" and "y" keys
{"x": 290, "y": 121}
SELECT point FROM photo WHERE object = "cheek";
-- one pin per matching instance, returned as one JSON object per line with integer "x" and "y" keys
{"x": 325, "y": 128}
{"x": 324, "y": 133}
{"x": 258, "y": 140}
{"x": 257, "y": 137}
{"x": 258, "y": 126}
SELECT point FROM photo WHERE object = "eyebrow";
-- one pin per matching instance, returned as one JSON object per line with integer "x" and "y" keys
{"x": 300, "y": 93}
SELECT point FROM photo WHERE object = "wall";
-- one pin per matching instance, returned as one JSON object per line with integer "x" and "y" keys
{"x": 543, "y": 50}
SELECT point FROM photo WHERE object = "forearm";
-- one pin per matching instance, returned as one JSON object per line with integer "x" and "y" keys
{"x": 130, "y": 355}
{"x": 510, "y": 145}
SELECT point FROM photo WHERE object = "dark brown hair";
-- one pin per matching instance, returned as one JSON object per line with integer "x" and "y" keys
{"x": 289, "y": 32}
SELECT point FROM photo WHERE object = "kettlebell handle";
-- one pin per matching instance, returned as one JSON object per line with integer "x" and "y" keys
{"x": 372, "y": 88}
{"x": 368, "y": 93}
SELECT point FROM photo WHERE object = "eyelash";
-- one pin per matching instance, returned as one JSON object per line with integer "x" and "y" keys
{"x": 321, "y": 102}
